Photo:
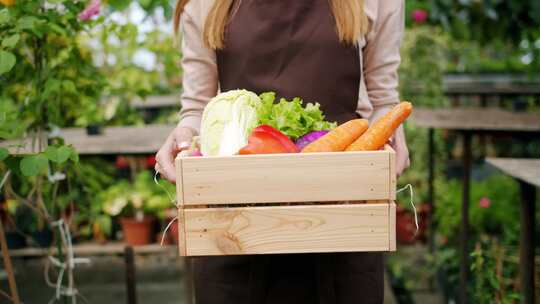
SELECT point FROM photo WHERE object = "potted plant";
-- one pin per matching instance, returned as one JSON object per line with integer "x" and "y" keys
{"x": 406, "y": 227}
{"x": 137, "y": 205}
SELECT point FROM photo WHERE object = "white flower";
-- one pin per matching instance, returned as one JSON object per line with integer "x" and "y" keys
{"x": 114, "y": 207}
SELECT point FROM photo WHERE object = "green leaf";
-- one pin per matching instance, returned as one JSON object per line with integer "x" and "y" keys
{"x": 146, "y": 4}
{"x": 52, "y": 86}
{"x": 28, "y": 23}
{"x": 11, "y": 41}
{"x": 57, "y": 29}
{"x": 33, "y": 165}
{"x": 119, "y": 4}
{"x": 58, "y": 154}
{"x": 4, "y": 153}
{"x": 74, "y": 155}
{"x": 69, "y": 86}
{"x": 7, "y": 61}
{"x": 4, "y": 16}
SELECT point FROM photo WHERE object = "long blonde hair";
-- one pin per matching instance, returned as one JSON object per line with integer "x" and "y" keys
{"x": 351, "y": 20}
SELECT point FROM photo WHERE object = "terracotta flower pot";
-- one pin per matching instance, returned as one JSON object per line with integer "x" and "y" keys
{"x": 138, "y": 232}
{"x": 406, "y": 227}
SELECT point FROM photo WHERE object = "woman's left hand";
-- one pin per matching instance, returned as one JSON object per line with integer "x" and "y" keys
{"x": 399, "y": 144}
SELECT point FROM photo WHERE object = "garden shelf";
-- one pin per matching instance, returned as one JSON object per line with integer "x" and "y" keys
{"x": 287, "y": 203}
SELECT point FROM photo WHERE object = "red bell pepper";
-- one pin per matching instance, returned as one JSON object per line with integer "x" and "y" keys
{"x": 267, "y": 140}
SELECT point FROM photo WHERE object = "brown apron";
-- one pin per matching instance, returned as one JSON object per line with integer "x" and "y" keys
{"x": 291, "y": 48}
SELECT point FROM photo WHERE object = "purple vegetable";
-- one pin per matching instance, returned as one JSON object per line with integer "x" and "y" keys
{"x": 309, "y": 138}
{"x": 196, "y": 153}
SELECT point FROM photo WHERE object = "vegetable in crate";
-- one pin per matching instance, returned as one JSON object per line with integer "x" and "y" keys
{"x": 381, "y": 131}
{"x": 305, "y": 140}
{"x": 227, "y": 122}
{"x": 339, "y": 138}
{"x": 290, "y": 117}
{"x": 267, "y": 140}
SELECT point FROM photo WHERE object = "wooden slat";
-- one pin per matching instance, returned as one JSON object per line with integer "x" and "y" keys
{"x": 182, "y": 231}
{"x": 286, "y": 178}
{"x": 114, "y": 140}
{"x": 179, "y": 181}
{"x": 119, "y": 140}
{"x": 157, "y": 102}
{"x": 392, "y": 225}
{"x": 288, "y": 229}
{"x": 476, "y": 119}
{"x": 28, "y": 145}
{"x": 494, "y": 84}
{"x": 94, "y": 249}
{"x": 393, "y": 173}
{"x": 527, "y": 170}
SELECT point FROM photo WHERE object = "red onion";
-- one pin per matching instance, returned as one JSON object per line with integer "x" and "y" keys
{"x": 309, "y": 138}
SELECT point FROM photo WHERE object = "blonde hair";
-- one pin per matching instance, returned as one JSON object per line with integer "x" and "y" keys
{"x": 351, "y": 20}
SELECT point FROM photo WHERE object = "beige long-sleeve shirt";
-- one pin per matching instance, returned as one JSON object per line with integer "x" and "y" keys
{"x": 378, "y": 51}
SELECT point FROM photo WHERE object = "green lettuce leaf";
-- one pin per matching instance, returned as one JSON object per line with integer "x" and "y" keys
{"x": 291, "y": 117}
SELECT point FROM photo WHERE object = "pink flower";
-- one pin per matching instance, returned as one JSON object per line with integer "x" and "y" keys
{"x": 419, "y": 16}
{"x": 484, "y": 202}
{"x": 91, "y": 10}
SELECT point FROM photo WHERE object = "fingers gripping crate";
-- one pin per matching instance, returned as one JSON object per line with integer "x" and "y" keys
{"x": 287, "y": 203}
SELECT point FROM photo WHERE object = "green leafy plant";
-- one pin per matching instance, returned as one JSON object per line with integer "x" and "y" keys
{"x": 494, "y": 208}
{"x": 46, "y": 81}
{"x": 495, "y": 275}
{"x": 141, "y": 197}
{"x": 118, "y": 56}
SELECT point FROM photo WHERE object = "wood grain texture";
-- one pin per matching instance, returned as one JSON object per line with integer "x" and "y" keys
{"x": 179, "y": 181}
{"x": 182, "y": 232}
{"x": 392, "y": 225}
{"x": 286, "y": 178}
{"x": 476, "y": 119}
{"x": 288, "y": 229}
{"x": 525, "y": 169}
{"x": 118, "y": 140}
{"x": 393, "y": 173}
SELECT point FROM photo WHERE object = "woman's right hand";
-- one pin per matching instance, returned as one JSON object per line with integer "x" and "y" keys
{"x": 179, "y": 139}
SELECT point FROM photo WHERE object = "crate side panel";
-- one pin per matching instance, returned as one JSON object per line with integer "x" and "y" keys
{"x": 392, "y": 225}
{"x": 179, "y": 182}
{"x": 287, "y": 229}
{"x": 181, "y": 222}
{"x": 393, "y": 173}
{"x": 287, "y": 178}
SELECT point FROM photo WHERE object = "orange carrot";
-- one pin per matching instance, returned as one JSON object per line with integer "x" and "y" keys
{"x": 379, "y": 133}
{"x": 339, "y": 138}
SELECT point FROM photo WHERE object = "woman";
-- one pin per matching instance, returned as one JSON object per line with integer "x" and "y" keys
{"x": 343, "y": 54}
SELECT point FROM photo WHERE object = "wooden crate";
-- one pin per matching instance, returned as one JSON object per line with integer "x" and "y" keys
{"x": 287, "y": 203}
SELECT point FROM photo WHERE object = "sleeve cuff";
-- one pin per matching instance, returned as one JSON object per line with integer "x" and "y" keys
{"x": 379, "y": 112}
{"x": 191, "y": 122}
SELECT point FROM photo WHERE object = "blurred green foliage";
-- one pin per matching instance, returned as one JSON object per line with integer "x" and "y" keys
{"x": 486, "y": 36}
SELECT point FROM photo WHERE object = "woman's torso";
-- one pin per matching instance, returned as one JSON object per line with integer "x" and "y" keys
{"x": 291, "y": 48}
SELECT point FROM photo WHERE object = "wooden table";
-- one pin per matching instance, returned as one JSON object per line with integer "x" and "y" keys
{"x": 527, "y": 172}
{"x": 146, "y": 139}
{"x": 468, "y": 122}
{"x": 95, "y": 249}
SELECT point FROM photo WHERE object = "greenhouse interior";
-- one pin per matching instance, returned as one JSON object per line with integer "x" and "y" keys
{"x": 91, "y": 90}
